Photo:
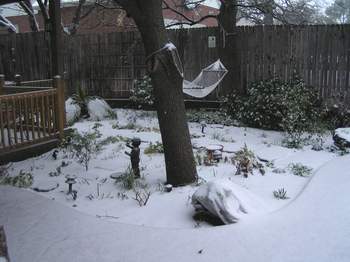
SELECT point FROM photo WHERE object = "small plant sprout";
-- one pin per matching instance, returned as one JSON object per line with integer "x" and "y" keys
{"x": 299, "y": 169}
{"x": 280, "y": 194}
{"x": 126, "y": 178}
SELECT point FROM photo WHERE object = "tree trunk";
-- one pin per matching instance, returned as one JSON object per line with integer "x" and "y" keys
{"x": 229, "y": 52}
{"x": 167, "y": 87}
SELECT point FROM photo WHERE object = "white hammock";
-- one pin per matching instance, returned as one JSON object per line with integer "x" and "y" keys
{"x": 205, "y": 83}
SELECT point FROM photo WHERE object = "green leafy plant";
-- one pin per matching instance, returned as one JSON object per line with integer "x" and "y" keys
{"x": 210, "y": 117}
{"x": 155, "y": 148}
{"x": 4, "y": 170}
{"x": 274, "y": 104}
{"x": 142, "y": 92}
{"x": 23, "y": 179}
{"x": 280, "y": 194}
{"x": 299, "y": 169}
{"x": 83, "y": 146}
{"x": 112, "y": 140}
{"x": 81, "y": 98}
{"x": 246, "y": 161}
{"x": 127, "y": 179}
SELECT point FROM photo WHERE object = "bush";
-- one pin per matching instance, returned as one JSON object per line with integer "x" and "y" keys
{"x": 82, "y": 99}
{"x": 83, "y": 146}
{"x": 142, "y": 92}
{"x": 246, "y": 161}
{"x": 291, "y": 107}
{"x": 336, "y": 115}
{"x": 209, "y": 117}
{"x": 154, "y": 148}
{"x": 127, "y": 179}
{"x": 300, "y": 169}
{"x": 21, "y": 180}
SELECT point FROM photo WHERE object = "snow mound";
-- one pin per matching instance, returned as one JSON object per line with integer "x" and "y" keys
{"x": 72, "y": 111}
{"x": 226, "y": 200}
{"x": 342, "y": 137}
{"x": 99, "y": 109}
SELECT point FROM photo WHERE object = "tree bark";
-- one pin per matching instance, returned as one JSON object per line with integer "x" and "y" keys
{"x": 229, "y": 52}
{"x": 167, "y": 87}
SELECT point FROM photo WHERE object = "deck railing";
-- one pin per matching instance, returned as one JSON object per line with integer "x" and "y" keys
{"x": 31, "y": 117}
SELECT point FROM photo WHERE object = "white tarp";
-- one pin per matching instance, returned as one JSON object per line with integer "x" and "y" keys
{"x": 72, "y": 111}
{"x": 99, "y": 109}
{"x": 206, "y": 81}
{"x": 227, "y": 200}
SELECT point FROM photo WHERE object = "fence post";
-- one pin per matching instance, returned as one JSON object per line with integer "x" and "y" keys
{"x": 2, "y": 83}
{"x": 58, "y": 83}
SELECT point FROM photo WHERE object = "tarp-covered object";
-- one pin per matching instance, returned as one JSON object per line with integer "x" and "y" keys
{"x": 99, "y": 109}
{"x": 72, "y": 111}
{"x": 226, "y": 200}
{"x": 205, "y": 83}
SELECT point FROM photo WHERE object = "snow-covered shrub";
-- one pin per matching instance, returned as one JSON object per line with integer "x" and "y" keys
{"x": 155, "y": 148}
{"x": 23, "y": 179}
{"x": 73, "y": 111}
{"x": 142, "y": 92}
{"x": 83, "y": 146}
{"x": 246, "y": 161}
{"x": 209, "y": 117}
{"x": 4, "y": 170}
{"x": 99, "y": 109}
{"x": 89, "y": 106}
{"x": 280, "y": 194}
{"x": 226, "y": 200}
{"x": 274, "y": 104}
{"x": 337, "y": 114}
{"x": 299, "y": 169}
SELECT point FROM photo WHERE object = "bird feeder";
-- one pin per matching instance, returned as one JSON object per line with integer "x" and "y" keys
{"x": 214, "y": 152}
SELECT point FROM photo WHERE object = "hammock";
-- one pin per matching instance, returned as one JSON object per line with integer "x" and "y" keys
{"x": 205, "y": 83}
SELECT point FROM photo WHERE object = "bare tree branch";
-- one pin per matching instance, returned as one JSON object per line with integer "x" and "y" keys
{"x": 7, "y": 24}
{"x": 28, "y": 8}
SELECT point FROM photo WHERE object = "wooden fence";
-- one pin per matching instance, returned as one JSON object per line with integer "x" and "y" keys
{"x": 29, "y": 117}
{"x": 107, "y": 64}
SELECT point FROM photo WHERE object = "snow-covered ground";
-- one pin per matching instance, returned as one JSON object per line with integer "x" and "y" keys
{"x": 98, "y": 195}
{"x": 104, "y": 214}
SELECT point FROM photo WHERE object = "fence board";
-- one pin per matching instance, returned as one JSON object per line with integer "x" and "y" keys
{"x": 107, "y": 64}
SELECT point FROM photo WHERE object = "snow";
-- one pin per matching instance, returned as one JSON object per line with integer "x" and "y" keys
{"x": 227, "y": 200}
{"x": 72, "y": 111}
{"x": 170, "y": 46}
{"x": 98, "y": 109}
{"x": 312, "y": 225}
{"x": 343, "y": 133}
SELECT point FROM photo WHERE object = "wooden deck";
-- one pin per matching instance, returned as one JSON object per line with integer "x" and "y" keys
{"x": 29, "y": 116}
